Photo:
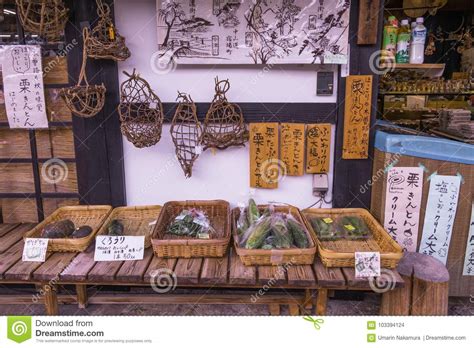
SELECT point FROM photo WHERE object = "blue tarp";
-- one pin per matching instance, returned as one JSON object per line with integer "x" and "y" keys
{"x": 425, "y": 147}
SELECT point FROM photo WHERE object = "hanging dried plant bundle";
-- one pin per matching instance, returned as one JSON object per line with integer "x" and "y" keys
{"x": 46, "y": 18}
{"x": 186, "y": 133}
{"x": 224, "y": 123}
{"x": 83, "y": 99}
{"x": 104, "y": 40}
{"x": 141, "y": 112}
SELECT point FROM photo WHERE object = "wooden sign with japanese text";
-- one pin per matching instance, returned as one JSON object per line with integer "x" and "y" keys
{"x": 265, "y": 167}
{"x": 357, "y": 117}
{"x": 23, "y": 87}
{"x": 468, "y": 269}
{"x": 292, "y": 147}
{"x": 318, "y": 148}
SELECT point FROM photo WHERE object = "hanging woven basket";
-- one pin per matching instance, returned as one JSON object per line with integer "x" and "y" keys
{"x": 46, "y": 18}
{"x": 141, "y": 112}
{"x": 224, "y": 123}
{"x": 84, "y": 100}
{"x": 186, "y": 133}
{"x": 104, "y": 41}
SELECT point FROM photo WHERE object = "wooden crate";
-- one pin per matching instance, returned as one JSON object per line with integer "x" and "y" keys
{"x": 459, "y": 285}
{"x": 340, "y": 253}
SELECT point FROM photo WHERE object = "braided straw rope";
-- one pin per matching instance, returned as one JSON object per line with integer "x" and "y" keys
{"x": 224, "y": 123}
{"x": 141, "y": 112}
{"x": 186, "y": 133}
{"x": 104, "y": 41}
{"x": 84, "y": 100}
{"x": 46, "y": 18}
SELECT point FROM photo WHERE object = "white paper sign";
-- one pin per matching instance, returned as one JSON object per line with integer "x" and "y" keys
{"x": 119, "y": 248}
{"x": 402, "y": 205}
{"x": 23, "y": 86}
{"x": 367, "y": 264}
{"x": 439, "y": 217}
{"x": 35, "y": 249}
{"x": 469, "y": 256}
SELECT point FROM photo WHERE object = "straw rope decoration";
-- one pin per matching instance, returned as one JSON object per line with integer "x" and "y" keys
{"x": 141, "y": 112}
{"x": 224, "y": 123}
{"x": 186, "y": 133}
{"x": 46, "y": 18}
{"x": 84, "y": 100}
{"x": 104, "y": 40}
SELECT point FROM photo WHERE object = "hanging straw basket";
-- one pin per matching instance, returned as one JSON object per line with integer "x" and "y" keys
{"x": 224, "y": 123}
{"x": 46, "y": 18}
{"x": 186, "y": 133}
{"x": 104, "y": 41}
{"x": 84, "y": 100}
{"x": 141, "y": 112}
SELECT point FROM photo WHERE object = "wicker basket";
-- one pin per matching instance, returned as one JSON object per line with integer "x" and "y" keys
{"x": 170, "y": 246}
{"x": 137, "y": 221}
{"x": 340, "y": 253}
{"x": 91, "y": 215}
{"x": 259, "y": 257}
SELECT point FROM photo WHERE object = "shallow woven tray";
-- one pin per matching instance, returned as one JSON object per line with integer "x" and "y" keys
{"x": 136, "y": 221}
{"x": 91, "y": 215}
{"x": 340, "y": 253}
{"x": 259, "y": 257}
{"x": 170, "y": 246}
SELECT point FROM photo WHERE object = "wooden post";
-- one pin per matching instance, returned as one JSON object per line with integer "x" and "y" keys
{"x": 294, "y": 309}
{"x": 321, "y": 302}
{"x": 426, "y": 288}
{"x": 308, "y": 295}
{"x": 274, "y": 309}
{"x": 82, "y": 299}
{"x": 50, "y": 299}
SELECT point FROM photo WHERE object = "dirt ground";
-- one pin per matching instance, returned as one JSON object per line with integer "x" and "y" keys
{"x": 343, "y": 303}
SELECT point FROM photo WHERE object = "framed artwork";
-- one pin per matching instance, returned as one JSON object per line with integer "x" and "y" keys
{"x": 253, "y": 31}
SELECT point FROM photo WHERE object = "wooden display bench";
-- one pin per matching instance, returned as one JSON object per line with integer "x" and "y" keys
{"x": 314, "y": 282}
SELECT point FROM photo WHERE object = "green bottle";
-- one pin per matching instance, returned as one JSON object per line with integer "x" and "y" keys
{"x": 403, "y": 43}
{"x": 389, "y": 45}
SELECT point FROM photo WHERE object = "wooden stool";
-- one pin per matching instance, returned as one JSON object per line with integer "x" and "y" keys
{"x": 426, "y": 288}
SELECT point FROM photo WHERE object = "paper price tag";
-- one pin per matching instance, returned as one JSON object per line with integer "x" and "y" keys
{"x": 119, "y": 248}
{"x": 327, "y": 220}
{"x": 35, "y": 249}
{"x": 367, "y": 264}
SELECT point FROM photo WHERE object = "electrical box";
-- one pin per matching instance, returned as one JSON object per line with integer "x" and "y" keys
{"x": 325, "y": 83}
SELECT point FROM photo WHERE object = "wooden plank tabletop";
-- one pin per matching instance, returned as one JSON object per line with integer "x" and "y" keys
{"x": 227, "y": 271}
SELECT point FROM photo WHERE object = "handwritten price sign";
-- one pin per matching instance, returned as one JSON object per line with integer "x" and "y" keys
{"x": 119, "y": 248}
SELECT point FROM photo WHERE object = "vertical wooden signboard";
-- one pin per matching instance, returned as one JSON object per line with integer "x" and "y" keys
{"x": 265, "y": 167}
{"x": 357, "y": 117}
{"x": 318, "y": 148}
{"x": 292, "y": 148}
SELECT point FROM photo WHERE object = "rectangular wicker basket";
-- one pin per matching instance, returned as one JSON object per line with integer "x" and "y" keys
{"x": 259, "y": 257}
{"x": 169, "y": 246}
{"x": 91, "y": 215}
{"x": 340, "y": 253}
{"x": 135, "y": 220}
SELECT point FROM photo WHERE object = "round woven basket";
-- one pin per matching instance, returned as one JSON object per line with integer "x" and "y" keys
{"x": 84, "y": 100}
{"x": 104, "y": 41}
{"x": 46, "y": 18}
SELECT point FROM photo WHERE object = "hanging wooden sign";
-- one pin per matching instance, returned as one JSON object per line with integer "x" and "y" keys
{"x": 292, "y": 147}
{"x": 318, "y": 148}
{"x": 357, "y": 117}
{"x": 265, "y": 167}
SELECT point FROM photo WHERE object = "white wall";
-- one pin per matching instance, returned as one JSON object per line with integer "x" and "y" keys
{"x": 153, "y": 175}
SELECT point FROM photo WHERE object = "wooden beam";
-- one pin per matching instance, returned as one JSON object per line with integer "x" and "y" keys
{"x": 368, "y": 21}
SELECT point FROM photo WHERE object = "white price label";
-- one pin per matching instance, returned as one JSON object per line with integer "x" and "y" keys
{"x": 367, "y": 264}
{"x": 119, "y": 248}
{"x": 35, "y": 249}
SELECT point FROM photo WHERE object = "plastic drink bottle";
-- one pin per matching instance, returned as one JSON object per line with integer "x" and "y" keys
{"x": 389, "y": 46}
{"x": 417, "y": 47}
{"x": 403, "y": 43}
